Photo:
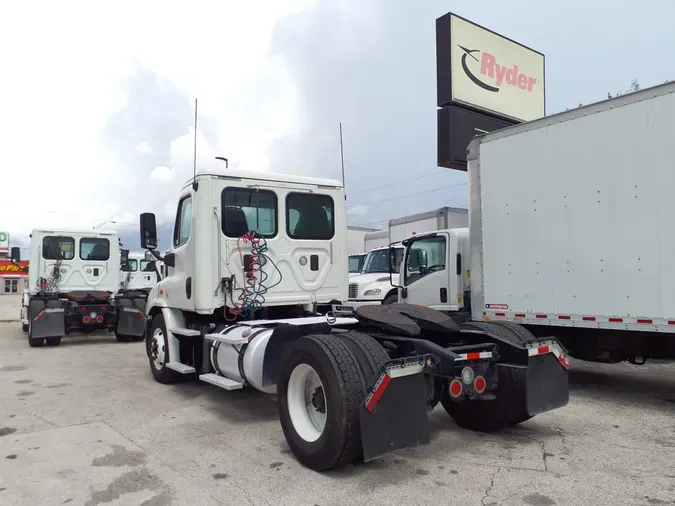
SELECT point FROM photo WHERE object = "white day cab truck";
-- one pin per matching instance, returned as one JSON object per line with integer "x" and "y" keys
{"x": 570, "y": 232}
{"x": 73, "y": 285}
{"x": 255, "y": 272}
{"x": 138, "y": 273}
{"x": 373, "y": 285}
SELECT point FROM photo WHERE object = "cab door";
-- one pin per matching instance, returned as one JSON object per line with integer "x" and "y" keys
{"x": 178, "y": 287}
{"x": 425, "y": 273}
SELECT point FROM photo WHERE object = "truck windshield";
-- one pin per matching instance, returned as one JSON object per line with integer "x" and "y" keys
{"x": 377, "y": 261}
{"x": 356, "y": 263}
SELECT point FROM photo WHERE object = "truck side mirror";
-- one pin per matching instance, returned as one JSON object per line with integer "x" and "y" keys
{"x": 391, "y": 259}
{"x": 124, "y": 259}
{"x": 148, "y": 231}
{"x": 15, "y": 255}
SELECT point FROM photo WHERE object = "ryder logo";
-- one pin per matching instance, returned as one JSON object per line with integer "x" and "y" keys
{"x": 501, "y": 75}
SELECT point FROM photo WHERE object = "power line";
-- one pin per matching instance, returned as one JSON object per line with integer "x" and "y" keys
{"x": 398, "y": 197}
{"x": 400, "y": 182}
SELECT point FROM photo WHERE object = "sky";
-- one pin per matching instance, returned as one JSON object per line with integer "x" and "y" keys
{"x": 98, "y": 103}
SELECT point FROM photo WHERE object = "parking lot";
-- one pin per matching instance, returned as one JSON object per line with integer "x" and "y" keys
{"x": 85, "y": 424}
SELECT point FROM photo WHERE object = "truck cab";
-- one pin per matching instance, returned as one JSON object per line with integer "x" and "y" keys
{"x": 244, "y": 240}
{"x": 435, "y": 270}
{"x": 373, "y": 285}
{"x": 138, "y": 273}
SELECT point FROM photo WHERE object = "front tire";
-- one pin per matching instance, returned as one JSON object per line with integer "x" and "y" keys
{"x": 320, "y": 374}
{"x": 157, "y": 349}
{"x": 390, "y": 299}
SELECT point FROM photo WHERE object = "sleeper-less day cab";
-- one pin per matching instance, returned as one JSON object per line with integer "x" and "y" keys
{"x": 73, "y": 285}
{"x": 255, "y": 276}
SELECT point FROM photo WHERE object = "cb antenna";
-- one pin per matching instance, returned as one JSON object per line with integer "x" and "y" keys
{"x": 194, "y": 157}
{"x": 342, "y": 161}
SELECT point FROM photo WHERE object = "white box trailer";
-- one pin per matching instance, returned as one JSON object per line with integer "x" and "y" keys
{"x": 571, "y": 226}
{"x": 356, "y": 239}
{"x": 376, "y": 239}
{"x": 438, "y": 219}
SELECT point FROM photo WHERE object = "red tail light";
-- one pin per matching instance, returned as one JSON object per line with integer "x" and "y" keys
{"x": 99, "y": 319}
{"x": 83, "y": 309}
{"x": 86, "y": 319}
{"x": 479, "y": 384}
{"x": 455, "y": 388}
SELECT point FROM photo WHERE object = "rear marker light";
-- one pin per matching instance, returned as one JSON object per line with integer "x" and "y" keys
{"x": 519, "y": 315}
{"x": 564, "y": 317}
{"x": 455, "y": 388}
{"x": 588, "y": 318}
{"x": 467, "y": 375}
{"x": 615, "y": 320}
{"x": 644, "y": 320}
{"x": 542, "y": 316}
{"x": 479, "y": 384}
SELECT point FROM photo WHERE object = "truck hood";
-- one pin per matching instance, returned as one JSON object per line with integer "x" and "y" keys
{"x": 363, "y": 279}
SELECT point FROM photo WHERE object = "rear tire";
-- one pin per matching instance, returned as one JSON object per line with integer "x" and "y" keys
{"x": 33, "y": 342}
{"x": 338, "y": 442}
{"x": 509, "y": 408}
{"x": 53, "y": 341}
{"x": 370, "y": 355}
{"x": 24, "y": 327}
{"x": 121, "y": 338}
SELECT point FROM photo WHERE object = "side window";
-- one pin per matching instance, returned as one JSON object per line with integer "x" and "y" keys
{"x": 244, "y": 210}
{"x": 94, "y": 248}
{"x": 424, "y": 257}
{"x": 147, "y": 266}
{"x": 58, "y": 247}
{"x": 310, "y": 216}
{"x": 132, "y": 266}
{"x": 181, "y": 231}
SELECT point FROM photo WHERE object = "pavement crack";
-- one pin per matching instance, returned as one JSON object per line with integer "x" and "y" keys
{"x": 543, "y": 454}
{"x": 489, "y": 489}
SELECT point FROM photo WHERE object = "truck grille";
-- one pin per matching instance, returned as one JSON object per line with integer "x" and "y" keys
{"x": 353, "y": 290}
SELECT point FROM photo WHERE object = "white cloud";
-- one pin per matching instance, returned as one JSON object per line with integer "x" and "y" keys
{"x": 64, "y": 80}
{"x": 143, "y": 147}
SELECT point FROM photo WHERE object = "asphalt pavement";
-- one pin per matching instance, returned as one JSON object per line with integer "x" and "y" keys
{"x": 84, "y": 423}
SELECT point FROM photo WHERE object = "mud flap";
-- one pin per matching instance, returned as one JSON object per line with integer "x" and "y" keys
{"x": 130, "y": 321}
{"x": 394, "y": 413}
{"x": 47, "y": 321}
{"x": 547, "y": 383}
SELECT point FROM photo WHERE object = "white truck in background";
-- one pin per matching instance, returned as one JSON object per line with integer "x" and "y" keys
{"x": 570, "y": 232}
{"x": 372, "y": 285}
{"x": 256, "y": 275}
{"x": 73, "y": 285}
{"x": 138, "y": 273}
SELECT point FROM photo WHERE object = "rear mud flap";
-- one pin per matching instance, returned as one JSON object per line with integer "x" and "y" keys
{"x": 48, "y": 322}
{"x": 130, "y": 322}
{"x": 394, "y": 414}
{"x": 547, "y": 384}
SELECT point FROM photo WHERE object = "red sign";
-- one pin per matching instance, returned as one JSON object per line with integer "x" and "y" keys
{"x": 7, "y": 267}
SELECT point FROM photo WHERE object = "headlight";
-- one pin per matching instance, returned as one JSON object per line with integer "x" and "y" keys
{"x": 374, "y": 291}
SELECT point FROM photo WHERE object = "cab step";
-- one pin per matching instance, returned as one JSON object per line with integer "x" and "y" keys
{"x": 181, "y": 368}
{"x": 226, "y": 338}
{"x": 221, "y": 381}
{"x": 185, "y": 332}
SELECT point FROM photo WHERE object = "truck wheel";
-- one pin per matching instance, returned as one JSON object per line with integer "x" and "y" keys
{"x": 24, "y": 327}
{"x": 121, "y": 338}
{"x": 33, "y": 342}
{"x": 319, "y": 394}
{"x": 390, "y": 299}
{"x": 370, "y": 355}
{"x": 157, "y": 348}
{"x": 53, "y": 341}
{"x": 509, "y": 407}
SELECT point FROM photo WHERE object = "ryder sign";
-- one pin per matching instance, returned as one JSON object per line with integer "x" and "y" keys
{"x": 481, "y": 69}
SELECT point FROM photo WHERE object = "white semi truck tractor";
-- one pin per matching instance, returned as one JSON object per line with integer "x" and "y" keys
{"x": 73, "y": 285}
{"x": 257, "y": 272}
{"x": 569, "y": 234}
